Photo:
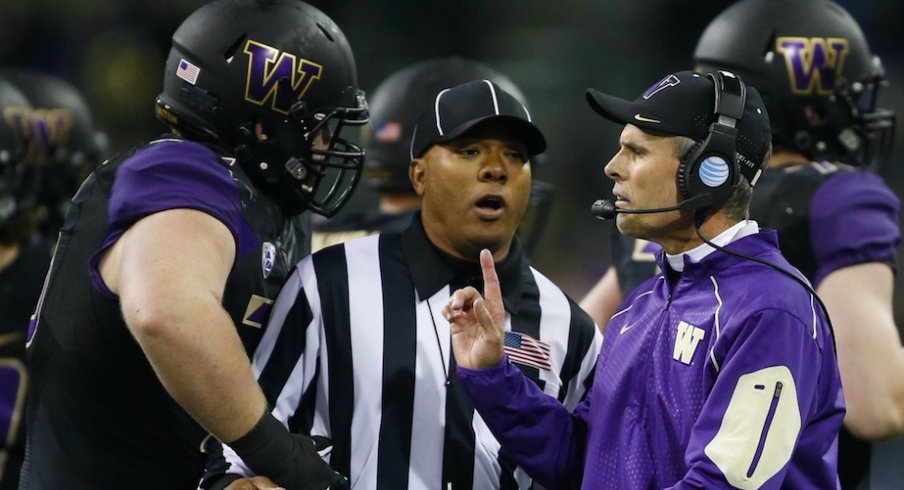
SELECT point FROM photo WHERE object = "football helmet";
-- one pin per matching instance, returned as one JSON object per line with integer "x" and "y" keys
{"x": 397, "y": 103}
{"x": 63, "y": 143}
{"x": 274, "y": 83}
{"x": 63, "y": 126}
{"x": 14, "y": 127}
{"x": 812, "y": 64}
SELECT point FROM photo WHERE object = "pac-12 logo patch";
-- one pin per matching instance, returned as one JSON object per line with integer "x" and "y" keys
{"x": 268, "y": 258}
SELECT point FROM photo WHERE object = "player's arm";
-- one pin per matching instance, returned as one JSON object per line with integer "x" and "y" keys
{"x": 600, "y": 303}
{"x": 283, "y": 370}
{"x": 768, "y": 381}
{"x": 859, "y": 300}
{"x": 854, "y": 229}
{"x": 169, "y": 270}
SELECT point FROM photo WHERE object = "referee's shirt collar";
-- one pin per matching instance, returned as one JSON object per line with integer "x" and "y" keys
{"x": 432, "y": 269}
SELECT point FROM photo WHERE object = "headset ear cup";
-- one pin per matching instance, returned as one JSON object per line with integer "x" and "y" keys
{"x": 722, "y": 192}
{"x": 710, "y": 166}
{"x": 719, "y": 178}
{"x": 685, "y": 169}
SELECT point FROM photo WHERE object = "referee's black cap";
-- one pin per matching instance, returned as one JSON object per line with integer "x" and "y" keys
{"x": 460, "y": 109}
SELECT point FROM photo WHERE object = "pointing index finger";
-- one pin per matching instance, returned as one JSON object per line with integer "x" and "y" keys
{"x": 491, "y": 290}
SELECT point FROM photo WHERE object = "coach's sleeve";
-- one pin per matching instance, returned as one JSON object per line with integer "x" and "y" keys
{"x": 766, "y": 378}
{"x": 534, "y": 428}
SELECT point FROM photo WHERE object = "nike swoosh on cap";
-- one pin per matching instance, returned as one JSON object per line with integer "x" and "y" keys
{"x": 646, "y": 119}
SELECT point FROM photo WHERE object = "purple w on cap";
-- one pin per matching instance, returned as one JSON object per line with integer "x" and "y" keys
{"x": 668, "y": 81}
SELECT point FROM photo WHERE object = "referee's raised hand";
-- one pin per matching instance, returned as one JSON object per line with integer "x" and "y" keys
{"x": 477, "y": 323}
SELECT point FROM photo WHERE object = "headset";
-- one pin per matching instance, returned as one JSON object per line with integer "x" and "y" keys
{"x": 708, "y": 173}
{"x": 710, "y": 166}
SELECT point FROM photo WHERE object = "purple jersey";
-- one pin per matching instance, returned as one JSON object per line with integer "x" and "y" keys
{"x": 97, "y": 416}
{"x": 853, "y": 220}
{"x": 725, "y": 379}
{"x": 171, "y": 174}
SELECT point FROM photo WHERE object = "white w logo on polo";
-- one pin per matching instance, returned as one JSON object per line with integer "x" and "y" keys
{"x": 686, "y": 340}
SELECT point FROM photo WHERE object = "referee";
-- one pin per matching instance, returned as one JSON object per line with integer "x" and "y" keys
{"x": 357, "y": 349}
{"x": 394, "y": 108}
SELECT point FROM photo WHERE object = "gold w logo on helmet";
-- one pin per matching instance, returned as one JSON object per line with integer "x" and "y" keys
{"x": 266, "y": 66}
{"x": 813, "y": 63}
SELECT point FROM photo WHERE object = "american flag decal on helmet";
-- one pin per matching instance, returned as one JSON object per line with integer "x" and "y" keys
{"x": 188, "y": 71}
{"x": 388, "y": 132}
{"x": 526, "y": 350}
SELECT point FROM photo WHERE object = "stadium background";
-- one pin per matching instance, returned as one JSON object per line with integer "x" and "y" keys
{"x": 114, "y": 50}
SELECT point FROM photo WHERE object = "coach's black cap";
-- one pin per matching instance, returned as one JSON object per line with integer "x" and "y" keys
{"x": 459, "y": 109}
{"x": 682, "y": 104}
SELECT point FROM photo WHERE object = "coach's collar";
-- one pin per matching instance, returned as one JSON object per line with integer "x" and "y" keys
{"x": 432, "y": 269}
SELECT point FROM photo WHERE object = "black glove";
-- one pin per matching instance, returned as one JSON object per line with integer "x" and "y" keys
{"x": 339, "y": 482}
{"x": 324, "y": 447}
{"x": 290, "y": 460}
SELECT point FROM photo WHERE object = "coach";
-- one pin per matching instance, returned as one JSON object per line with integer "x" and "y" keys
{"x": 718, "y": 372}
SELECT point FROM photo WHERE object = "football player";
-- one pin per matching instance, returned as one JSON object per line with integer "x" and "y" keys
{"x": 172, "y": 253}
{"x": 23, "y": 263}
{"x": 63, "y": 145}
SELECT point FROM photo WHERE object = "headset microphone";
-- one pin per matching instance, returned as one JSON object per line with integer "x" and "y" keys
{"x": 605, "y": 209}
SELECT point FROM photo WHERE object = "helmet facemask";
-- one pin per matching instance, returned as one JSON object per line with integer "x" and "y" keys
{"x": 846, "y": 126}
{"x": 875, "y": 124}
{"x": 304, "y": 162}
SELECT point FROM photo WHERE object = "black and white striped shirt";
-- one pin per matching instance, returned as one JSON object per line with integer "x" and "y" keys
{"x": 357, "y": 350}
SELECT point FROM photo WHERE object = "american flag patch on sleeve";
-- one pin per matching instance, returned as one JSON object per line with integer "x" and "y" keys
{"x": 188, "y": 71}
{"x": 524, "y": 349}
